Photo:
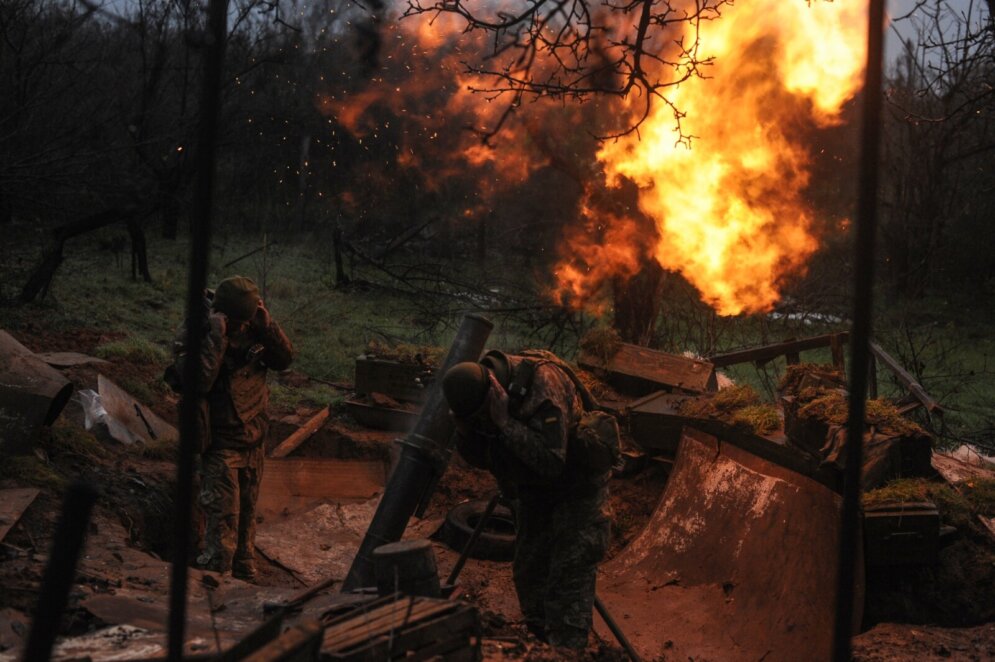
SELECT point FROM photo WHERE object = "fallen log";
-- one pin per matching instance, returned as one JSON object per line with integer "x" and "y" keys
{"x": 290, "y": 444}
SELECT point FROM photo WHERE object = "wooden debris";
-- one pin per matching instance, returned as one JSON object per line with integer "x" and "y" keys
{"x": 13, "y": 503}
{"x": 907, "y": 380}
{"x": 640, "y": 371}
{"x": 408, "y": 628}
{"x": 956, "y": 471}
{"x": 296, "y": 600}
{"x": 303, "y": 433}
{"x": 68, "y": 359}
{"x": 301, "y": 643}
{"x": 297, "y": 481}
{"x": 789, "y": 349}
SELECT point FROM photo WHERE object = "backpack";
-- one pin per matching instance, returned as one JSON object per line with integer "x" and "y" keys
{"x": 595, "y": 443}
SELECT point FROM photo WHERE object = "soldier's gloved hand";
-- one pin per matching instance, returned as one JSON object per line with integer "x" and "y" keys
{"x": 262, "y": 317}
{"x": 497, "y": 402}
{"x": 219, "y": 325}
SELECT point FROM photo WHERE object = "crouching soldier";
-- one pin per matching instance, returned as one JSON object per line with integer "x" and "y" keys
{"x": 530, "y": 422}
{"x": 241, "y": 342}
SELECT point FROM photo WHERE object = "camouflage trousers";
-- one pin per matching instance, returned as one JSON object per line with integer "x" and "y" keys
{"x": 229, "y": 489}
{"x": 560, "y": 544}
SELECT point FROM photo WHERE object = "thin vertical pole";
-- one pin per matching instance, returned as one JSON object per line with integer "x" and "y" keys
{"x": 60, "y": 572}
{"x": 861, "y": 333}
{"x": 200, "y": 230}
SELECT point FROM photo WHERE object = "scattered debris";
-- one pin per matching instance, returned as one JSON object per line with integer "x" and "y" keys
{"x": 69, "y": 359}
{"x": 32, "y": 395}
{"x": 399, "y": 627}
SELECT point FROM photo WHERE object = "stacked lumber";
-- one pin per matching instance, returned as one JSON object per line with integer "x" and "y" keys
{"x": 412, "y": 628}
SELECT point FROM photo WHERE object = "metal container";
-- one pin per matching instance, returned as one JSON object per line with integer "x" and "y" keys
{"x": 901, "y": 534}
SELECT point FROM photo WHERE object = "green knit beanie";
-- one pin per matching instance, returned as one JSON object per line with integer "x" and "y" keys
{"x": 237, "y": 297}
{"x": 465, "y": 386}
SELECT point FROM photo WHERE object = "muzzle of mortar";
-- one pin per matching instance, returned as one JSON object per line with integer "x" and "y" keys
{"x": 425, "y": 453}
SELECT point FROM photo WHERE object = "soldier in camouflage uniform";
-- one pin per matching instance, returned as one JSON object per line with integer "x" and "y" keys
{"x": 560, "y": 504}
{"x": 241, "y": 343}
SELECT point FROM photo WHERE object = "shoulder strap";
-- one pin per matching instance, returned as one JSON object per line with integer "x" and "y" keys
{"x": 587, "y": 398}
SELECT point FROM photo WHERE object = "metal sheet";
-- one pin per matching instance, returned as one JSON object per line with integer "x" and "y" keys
{"x": 140, "y": 421}
{"x": 32, "y": 394}
{"x": 737, "y": 562}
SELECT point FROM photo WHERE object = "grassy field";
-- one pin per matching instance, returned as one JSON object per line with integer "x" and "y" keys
{"x": 948, "y": 346}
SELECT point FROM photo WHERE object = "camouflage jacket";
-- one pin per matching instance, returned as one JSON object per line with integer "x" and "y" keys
{"x": 530, "y": 453}
{"x": 231, "y": 376}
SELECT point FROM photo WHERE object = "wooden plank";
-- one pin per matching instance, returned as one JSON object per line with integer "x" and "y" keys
{"x": 907, "y": 380}
{"x": 13, "y": 503}
{"x": 455, "y": 628}
{"x": 68, "y": 359}
{"x": 351, "y": 634}
{"x": 642, "y": 370}
{"x": 320, "y": 478}
{"x": 769, "y": 352}
{"x": 256, "y": 639}
{"x": 383, "y": 620}
{"x": 301, "y": 643}
{"x": 304, "y": 432}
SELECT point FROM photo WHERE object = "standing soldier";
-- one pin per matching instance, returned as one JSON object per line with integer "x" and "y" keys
{"x": 242, "y": 341}
{"x": 523, "y": 418}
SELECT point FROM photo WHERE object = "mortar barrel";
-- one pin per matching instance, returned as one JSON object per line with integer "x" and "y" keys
{"x": 424, "y": 456}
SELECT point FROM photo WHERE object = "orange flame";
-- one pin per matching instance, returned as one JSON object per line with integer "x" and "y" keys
{"x": 726, "y": 192}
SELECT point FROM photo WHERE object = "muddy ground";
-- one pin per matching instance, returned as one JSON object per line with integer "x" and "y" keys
{"x": 945, "y": 612}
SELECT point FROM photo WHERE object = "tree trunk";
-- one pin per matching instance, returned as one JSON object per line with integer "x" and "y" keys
{"x": 341, "y": 278}
{"x": 302, "y": 180}
{"x": 41, "y": 277}
{"x": 139, "y": 251}
{"x": 637, "y": 303}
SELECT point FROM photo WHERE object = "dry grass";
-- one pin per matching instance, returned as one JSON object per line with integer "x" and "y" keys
{"x": 406, "y": 353}
{"x": 601, "y": 342}
{"x": 737, "y": 405}
{"x": 955, "y": 509}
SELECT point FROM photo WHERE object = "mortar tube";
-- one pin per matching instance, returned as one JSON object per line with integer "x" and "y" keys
{"x": 424, "y": 456}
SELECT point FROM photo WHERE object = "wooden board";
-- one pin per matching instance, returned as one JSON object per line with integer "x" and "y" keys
{"x": 13, "y": 503}
{"x": 68, "y": 359}
{"x": 321, "y": 478}
{"x": 640, "y": 371}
